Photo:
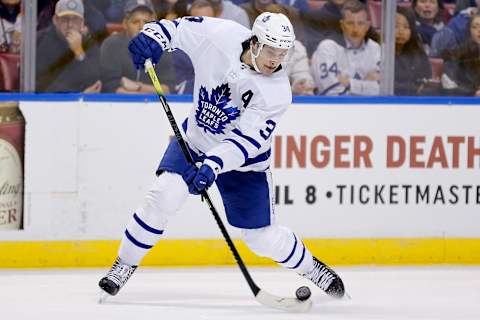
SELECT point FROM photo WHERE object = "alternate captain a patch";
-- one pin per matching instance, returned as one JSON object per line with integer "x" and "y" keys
{"x": 213, "y": 112}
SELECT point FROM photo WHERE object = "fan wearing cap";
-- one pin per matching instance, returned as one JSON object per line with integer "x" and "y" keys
{"x": 67, "y": 59}
{"x": 117, "y": 72}
{"x": 240, "y": 95}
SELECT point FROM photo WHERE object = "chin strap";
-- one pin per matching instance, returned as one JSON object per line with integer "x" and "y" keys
{"x": 253, "y": 57}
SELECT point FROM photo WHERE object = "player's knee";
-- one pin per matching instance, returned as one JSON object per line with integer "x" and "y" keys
{"x": 261, "y": 241}
{"x": 272, "y": 241}
{"x": 167, "y": 194}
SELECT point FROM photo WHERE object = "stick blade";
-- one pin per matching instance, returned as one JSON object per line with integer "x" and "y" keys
{"x": 282, "y": 303}
{"x": 102, "y": 297}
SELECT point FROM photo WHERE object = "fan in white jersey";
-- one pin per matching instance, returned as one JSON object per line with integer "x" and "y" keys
{"x": 240, "y": 94}
{"x": 349, "y": 63}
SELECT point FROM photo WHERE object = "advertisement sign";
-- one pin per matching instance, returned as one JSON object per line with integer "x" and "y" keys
{"x": 363, "y": 171}
{"x": 339, "y": 171}
{"x": 12, "y": 128}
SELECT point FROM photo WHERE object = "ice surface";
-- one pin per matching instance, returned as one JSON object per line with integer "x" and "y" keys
{"x": 221, "y": 293}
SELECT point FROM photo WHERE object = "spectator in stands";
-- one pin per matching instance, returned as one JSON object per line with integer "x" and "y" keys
{"x": 461, "y": 5}
{"x": 113, "y": 10}
{"x": 323, "y": 23}
{"x": 453, "y": 35}
{"x": 201, "y": 8}
{"x": 226, "y": 9}
{"x": 95, "y": 23}
{"x": 67, "y": 59}
{"x": 183, "y": 65}
{"x": 429, "y": 16}
{"x": 461, "y": 70}
{"x": 412, "y": 66}
{"x": 117, "y": 72}
{"x": 169, "y": 9}
{"x": 349, "y": 63}
{"x": 10, "y": 26}
{"x": 296, "y": 62}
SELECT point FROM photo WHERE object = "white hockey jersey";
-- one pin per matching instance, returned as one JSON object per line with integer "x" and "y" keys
{"x": 332, "y": 58}
{"x": 236, "y": 109}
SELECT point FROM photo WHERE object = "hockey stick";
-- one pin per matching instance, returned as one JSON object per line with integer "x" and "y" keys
{"x": 263, "y": 297}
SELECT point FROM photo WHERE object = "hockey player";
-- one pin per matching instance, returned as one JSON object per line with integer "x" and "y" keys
{"x": 348, "y": 64}
{"x": 240, "y": 93}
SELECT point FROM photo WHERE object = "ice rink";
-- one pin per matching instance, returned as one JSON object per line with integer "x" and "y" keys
{"x": 221, "y": 293}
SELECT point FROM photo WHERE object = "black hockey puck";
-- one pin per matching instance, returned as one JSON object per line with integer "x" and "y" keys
{"x": 303, "y": 293}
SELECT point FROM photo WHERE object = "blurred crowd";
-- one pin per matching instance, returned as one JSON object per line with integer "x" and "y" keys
{"x": 82, "y": 45}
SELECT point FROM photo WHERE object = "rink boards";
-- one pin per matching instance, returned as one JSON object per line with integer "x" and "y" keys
{"x": 362, "y": 183}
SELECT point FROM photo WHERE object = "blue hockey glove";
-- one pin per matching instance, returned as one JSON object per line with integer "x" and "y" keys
{"x": 188, "y": 176}
{"x": 199, "y": 179}
{"x": 204, "y": 178}
{"x": 141, "y": 48}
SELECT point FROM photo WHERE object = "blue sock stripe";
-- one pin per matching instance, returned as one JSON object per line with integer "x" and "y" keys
{"x": 146, "y": 226}
{"x": 291, "y": 253}
{"x": 301, "y": 259}
{"x": 135, "y": 242}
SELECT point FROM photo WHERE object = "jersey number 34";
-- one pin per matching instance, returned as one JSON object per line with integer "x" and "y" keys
{"x": 324, "y": 70}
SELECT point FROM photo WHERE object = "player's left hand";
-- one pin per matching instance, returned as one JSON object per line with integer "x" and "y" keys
{"x": 142, "y": 47}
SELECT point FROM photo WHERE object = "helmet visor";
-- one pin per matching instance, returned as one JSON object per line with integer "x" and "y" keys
{"x": 273, "y": 54}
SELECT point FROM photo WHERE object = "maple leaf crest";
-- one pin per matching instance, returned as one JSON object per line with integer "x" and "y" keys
{"x": 213, "y": 112}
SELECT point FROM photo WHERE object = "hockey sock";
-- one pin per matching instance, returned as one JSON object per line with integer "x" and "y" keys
{"x": 138, "y": 239}
{"x": 280, "y": 244}
{"x": 147, "y": 224}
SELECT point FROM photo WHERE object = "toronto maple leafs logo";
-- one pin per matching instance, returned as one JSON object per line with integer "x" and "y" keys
{"x": 213, "y": 112}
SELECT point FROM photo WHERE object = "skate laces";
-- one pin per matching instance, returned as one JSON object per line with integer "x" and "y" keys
{"x": 321, "y": 275}
{"x": 120, "y": 273}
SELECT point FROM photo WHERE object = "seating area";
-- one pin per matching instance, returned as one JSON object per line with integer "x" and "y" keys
{"x": 375, "y": 11}
{"x": 10, "y": 62}
{"x": 9, "y": 72}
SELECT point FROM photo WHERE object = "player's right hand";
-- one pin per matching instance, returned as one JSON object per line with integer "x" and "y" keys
{"x": 201, "y": 177}
{"x": 141, "y": 48}
{"x": 188, "y": 176}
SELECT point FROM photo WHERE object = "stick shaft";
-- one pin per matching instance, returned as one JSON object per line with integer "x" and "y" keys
{"x": 183, "y": 145}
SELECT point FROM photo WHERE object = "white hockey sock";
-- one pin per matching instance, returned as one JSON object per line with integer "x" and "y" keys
{"x": 280, "y": 244}
{"x": 147, "y": 224}
{"x": 299, "y": 258}
{"x": 138, "y": 239}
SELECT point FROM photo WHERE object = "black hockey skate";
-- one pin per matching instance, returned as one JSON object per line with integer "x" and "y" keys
{"x": 326, "y": 279}
{"x": 116, "y": 277}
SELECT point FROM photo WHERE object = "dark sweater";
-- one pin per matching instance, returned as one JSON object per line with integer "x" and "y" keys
{"x": 410, "y": 71}
{"x": 462, "y": 65}
{"x": 57, "y": 68}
